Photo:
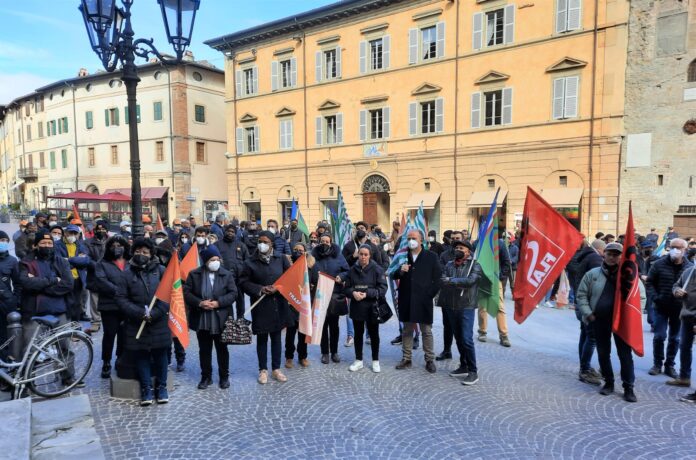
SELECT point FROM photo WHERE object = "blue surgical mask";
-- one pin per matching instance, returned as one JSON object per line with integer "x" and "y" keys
{"x": 4, "y": 246}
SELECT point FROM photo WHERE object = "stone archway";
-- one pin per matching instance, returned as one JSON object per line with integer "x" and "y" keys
{"x": 376, "y": 200}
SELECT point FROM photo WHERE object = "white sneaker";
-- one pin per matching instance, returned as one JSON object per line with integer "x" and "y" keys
{"x": 375, "y": 367}
{"x": 356, "y": 366}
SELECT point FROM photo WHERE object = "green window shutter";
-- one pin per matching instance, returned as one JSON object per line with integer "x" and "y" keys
{"x": 125, "y": 110}
{"x": 65, "y": 127}
{"x": 53, "y": 160}
{"x": 64, "y": 158}
{"x": 106, "y": 117}
{"x": 137, "y": 112}
{"x": 158, "y": 111}
{"x": 90, "y": 121}
{"x": 60, "y": 127}
{"x": 116, "y": 118}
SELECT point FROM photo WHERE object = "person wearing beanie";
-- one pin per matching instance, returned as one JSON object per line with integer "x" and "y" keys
{"x": 234, "y": 253}
{"x": 9, "y": 286}
{"x": 272, "y": 313}
{"x": 459, "y": 300}
{"x": 135, "y": 292}
{"x": 102, "y": 280}
{"x": 95, "y": 249}
{"x": 210, "y": 291}
{"x": 75, "y": 251}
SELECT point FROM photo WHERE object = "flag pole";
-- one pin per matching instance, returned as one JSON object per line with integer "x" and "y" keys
{"x": 147, "y": 313}
{"x": 255, "y": 303}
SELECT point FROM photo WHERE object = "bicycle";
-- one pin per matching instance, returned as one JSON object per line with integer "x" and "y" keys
{"x": 56, "y": 360}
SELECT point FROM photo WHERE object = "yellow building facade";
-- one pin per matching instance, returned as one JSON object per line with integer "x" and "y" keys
{"x": 441, "y": 102}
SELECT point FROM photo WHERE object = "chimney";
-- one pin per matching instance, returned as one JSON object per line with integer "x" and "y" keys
{"x": 188, "y": 56}
{"x": 82, "y": 72}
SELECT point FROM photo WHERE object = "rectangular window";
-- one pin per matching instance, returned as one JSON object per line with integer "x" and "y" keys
{"x": 90, "y": 156}
{"x": 200, "y": 152}
{"x": 330, "y": 64}
{"x": 137, "y": 113}
{"x": 568, "y": 15}
{"x": 52, "y": 157}
{"x": 376, "y": 124}
{"x": 493, "y": 109}
{"x": 427, "y": 110}
{"x": 65, "y": 124}
{"x": 285, "y": 74}
{"x": 114, "y": 154}
{"x": 112, "y": 117}
{"x": 159, "y": 151}
{"x": 31, "y": 161}
{"x": 64, "y": 158}
{"x": 495, "y": 23}
{"x": 331, "y": 129}
{"x": 28, "y": 133}
{"x": 377, "y": 54}
{"x": 89, "y": 119}
{"x": 428, "y": 43}
{"x": 27, "y": 111}
{"x": 157, "y": 109}
{"x": 200, "y": 113}
{"x": 249, "y": 82}
{"x": 42, "y": 160}
{"x": 565, "y": 97}
{"x": 250, "y": 138}
{"x": 19, "y": 136}
{"x": 41, "y": 130}
{"x": 286, "y": 134}
{"x": 563, "y": 181}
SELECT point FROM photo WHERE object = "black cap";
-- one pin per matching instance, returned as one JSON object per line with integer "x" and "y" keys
{"x": 466, "y": 244}
{"x": 4, "y": 236}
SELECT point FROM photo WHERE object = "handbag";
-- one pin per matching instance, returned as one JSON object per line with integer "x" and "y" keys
{"x": 236, "y": 332}
{"x": 382, "y": 311}
{"x": 338, "y": 305}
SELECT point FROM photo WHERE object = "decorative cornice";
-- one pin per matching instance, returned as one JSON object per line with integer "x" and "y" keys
{"x": 492, "y": 77}
{"x": 329, "y": 104}
{"x": 247, "y": 117}
{"x": 427, "y": 14}
{"x": 373, "y": 99}
{"x": 331, "y": 39}
{"x": 375, "y": 28}
{"x": 426, "y": 88}
{"x": 285, "y": 112}
{"x": 282, "y": 51}
{"x": 565, "y": 64}
{"x": 246, "y": 60}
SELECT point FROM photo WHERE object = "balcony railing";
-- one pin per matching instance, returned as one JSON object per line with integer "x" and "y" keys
{"x": 28, "y": 174}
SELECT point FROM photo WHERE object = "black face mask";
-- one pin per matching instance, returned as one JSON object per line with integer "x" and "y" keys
{"x": 140, "y": 260}
{"x": 293, "y": 226}
{"x": 229, "y": 237}
{"x": 324, "y": 249}
{"x": 458, "y": 254}
{"x": 647, "y": 253}
{"x": 361, "y": 234}
{"x": 117, "y": 252}
{"x": 296, "y": 255}
{"x": 45, "y": 253}
{"x": 692, "y": 253}
{"x": 101, "y": 235}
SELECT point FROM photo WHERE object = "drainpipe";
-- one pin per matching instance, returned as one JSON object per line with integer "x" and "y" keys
{"x": 304, "y": 95}
{"x": 234, "y": 133}
{"x": 77, "y": 160}
{"x": 592, "y": 116}
{"x": 456, "y": 115}
{"x": 171, "y": 141}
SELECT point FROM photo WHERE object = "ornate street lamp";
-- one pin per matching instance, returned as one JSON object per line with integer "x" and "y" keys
{"x": 111, "y": 37}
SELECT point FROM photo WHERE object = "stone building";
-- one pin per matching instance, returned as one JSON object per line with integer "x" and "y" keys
{"x": 658, "y": 161}
{"x": 73, "y": 135}
{"x": 435, "y": 101}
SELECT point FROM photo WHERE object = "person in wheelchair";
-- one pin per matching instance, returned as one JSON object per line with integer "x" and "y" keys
{"x": 47, "y": 286}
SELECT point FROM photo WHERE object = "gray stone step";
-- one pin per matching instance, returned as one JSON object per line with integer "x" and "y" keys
{"x": 64, "y": 429}
{"x": 15, "y": 429}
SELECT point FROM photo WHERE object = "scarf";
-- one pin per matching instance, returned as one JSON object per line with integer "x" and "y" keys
{"x": 207, "y": 286}
{"x": 266, "y": 258}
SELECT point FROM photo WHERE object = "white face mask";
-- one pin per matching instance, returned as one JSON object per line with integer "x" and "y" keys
{"x": 272, "y": 230}
{"x": 128, "y": 229}
{"x": 159, "y": 240}
{"x": 675, "y": 253}
{"x": 201, "y": 240}
{"x": 263, "y": 248}
{"x": 431, "y": 239}
{"x": 71, "y": 239}
{"x": 413, "y": 244}
{"x": 52, "y": 223}
{"x": 386, "y": 246}
{"x": 214, "y": 265}
{"x": 56, "y": 237}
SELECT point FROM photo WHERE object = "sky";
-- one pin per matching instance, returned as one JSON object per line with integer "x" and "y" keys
{"x": 42, "y": 41}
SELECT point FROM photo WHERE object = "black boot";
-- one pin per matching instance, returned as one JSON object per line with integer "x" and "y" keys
{"x": 629, "y": 395}
{"x": 607, "y": 389}
{"x": 106, "y": 370}
{"x": 205, "y": 383}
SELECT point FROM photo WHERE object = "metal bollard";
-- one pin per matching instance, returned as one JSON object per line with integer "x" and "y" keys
{"x": 14, "y": 331}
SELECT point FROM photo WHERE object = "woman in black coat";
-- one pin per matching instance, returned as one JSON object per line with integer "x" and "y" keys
{"x": 330, "y": 261}
{"x": 209, "y": 292}
{"x": 136, "y": 290}
{"x": 103, "y": 278}
{"x": 272, "y": 314}
{"x": 365, "y": 286}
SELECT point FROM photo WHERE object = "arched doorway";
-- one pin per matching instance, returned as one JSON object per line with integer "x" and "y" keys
{"x": 376, "y": 200}
{"x": 91, "y": 188}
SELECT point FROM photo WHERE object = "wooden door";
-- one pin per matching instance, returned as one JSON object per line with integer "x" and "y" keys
{"x": 370, "y": 207}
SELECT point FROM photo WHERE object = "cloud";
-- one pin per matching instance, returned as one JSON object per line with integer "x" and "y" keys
{"x": 14, "y": 51}
{"x": 16, "y": 85}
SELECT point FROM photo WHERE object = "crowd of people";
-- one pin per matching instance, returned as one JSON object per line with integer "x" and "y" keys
{"x": 108, "y": 278}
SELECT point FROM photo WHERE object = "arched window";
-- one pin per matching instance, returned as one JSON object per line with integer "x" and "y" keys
{"x": 691, "y": 74}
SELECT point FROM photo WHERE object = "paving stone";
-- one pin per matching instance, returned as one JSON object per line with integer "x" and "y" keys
{"x": 15, "y": 429}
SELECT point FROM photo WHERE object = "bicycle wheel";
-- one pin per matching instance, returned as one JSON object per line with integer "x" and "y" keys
{"x": 61, "y": 362}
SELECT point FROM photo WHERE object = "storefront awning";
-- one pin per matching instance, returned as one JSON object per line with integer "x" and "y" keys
{"x": 429, "y": 200}
{"x": 147, "y": 193}
{"x": 562, "y": 197}
{"x": 484, "y": 199}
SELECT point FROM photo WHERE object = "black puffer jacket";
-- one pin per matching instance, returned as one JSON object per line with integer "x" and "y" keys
{"x": 460, "y": 289}
{"x": 224, "y": 291}
{"x": 349, "y": 252}
{"x": 10, "y": 289}
{"x": 103, "y": 278}
{"x": 332, "y": 264}
{"x": 136, "y": 288}
{"x": 688, "y": 278}
{"x": 272, "y": 314}
{"x": 662, "y": 276}
{"x": 369, "y": 279}
{"x": 584, "y": 260}
{"x": 233, "y": 253}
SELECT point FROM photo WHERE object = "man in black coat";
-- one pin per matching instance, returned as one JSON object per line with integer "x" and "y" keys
{"x": 234, "y": 252}
{"x": 419, "y": 283}
{"x": 10, "y": 291}
{"x": 350, "y": 250}
{"x": 645, "y": 261}
{"x": 662, "y": 276}
{"x": 447, "y": 256}
{"x": 95, "y": 250}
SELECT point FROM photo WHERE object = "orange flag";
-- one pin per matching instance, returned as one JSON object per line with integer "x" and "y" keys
{"x": 76, "y": 215}
{"x": 160, "y": 225}
{"x": 171, "y": 291}
{"x": 294, "y": 286}
{"x": 190, "y": 262}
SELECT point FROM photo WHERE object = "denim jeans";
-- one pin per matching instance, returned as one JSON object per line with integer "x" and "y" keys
{"x": 350, "y": 329}
{"x": 662, "y": 323}
{"x": 462, "y": 322}
{"x": 687, "y": 340}
{"x": 262, "y": 350}
{"x": 586, "y": 346}
{"x": 602, "y": 330}
{"x": 649, "y": 307}
{"x": 150, "y": 364}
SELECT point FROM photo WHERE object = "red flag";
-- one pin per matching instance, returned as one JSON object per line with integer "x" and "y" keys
{"x": 160, "y": 225}
{"x": 294, "y": 286}
{"x": 190, "y": 261}
{"x": 170, "y": 290}
{"x": 548, "y": 243}
{"x": 628, "y": 316}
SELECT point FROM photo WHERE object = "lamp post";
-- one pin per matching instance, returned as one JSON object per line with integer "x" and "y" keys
{"x": 111, "y": 37}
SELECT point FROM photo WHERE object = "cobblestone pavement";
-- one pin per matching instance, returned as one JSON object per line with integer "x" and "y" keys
{"x": 528, "y": 404}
